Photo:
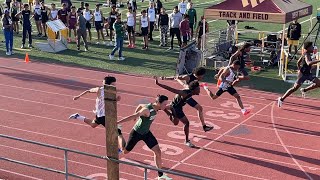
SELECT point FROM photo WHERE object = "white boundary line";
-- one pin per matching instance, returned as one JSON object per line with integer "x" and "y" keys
{"x": 191, "y": 155}
{"x": 151, "y": 98}
{"x": 76, "y": 109}
{"x": 193, "y": 129}
{"x": 284, "y": 146}
{"x": 252, "y": 92}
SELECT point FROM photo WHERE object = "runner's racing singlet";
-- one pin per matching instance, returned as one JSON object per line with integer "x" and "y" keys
{"x": 143, "y": 124}
{"x": 100, "y": 111}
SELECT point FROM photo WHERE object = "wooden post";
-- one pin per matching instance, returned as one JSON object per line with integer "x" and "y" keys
{"x": 110, "y": 96}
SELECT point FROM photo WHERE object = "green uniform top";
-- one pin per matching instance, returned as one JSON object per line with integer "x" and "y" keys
{"x": 119, "y": 30}
{"x": 192, "y": 14}
{"x": 143, "y": 124}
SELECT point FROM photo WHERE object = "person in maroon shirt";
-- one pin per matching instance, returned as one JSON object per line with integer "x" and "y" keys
{"x": 185, "y": 29}
{"x": 63, "y": 13}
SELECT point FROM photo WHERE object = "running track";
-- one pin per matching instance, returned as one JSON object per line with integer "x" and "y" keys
{"x": 270, "y": 143}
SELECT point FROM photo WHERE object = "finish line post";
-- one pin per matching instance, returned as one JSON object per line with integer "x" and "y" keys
{"x": 110, "y": 100}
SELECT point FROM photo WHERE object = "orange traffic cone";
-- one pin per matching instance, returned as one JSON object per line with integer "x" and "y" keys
{"x": 26, "y": 59}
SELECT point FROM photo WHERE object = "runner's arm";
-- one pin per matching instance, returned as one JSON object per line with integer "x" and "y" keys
{"x": 183, "y": 79}
{"x": 176, "y": 91}
{"x": 310, "y": 62}
{"x": 234, "y": 57}
{"x": 143, "y": 112}
{"x": 92, "y": 90}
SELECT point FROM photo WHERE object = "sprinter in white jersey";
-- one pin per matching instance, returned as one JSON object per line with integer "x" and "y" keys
{"x": 227, "y": 77}
{"x": 99, "y": 108}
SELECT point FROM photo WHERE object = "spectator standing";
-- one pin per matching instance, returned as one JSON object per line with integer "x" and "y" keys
{"x": 182, "y": 7}
{"x": 294, "y": 34}
{"x": 81, "y": 30}
{"x": 131, "y": 26}
{"x": 26, "y": 25}
{"x": 15, "y": 21}
{"x": 119, "y": 29}
{"x": 63, "y": 14}
{"x": 53, "y": 15}
{"x": 185, "y": 29}
{"x": 192, "y": 17}
{"x": 72, "y": 22}
{"x": 37, "y": 16}
{"x": 174, "y": 22}
{"x": 68, "y": 4}
{"x": 145, "y": 28}
{"x": 163, "y": 22}
{"x": 98, "y": 22}
{"x": 151, "y": 11}
{"x": 87, "y": 13}
{"x": 44, "y": 17}
{"x": 199, "y": 30}
{"x": 112, "y": 18}
{"x": 81, "y": 8}
{"x": 8, "y": 32}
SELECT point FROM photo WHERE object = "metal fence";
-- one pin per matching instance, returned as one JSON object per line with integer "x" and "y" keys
{"x": 66, "y": 151}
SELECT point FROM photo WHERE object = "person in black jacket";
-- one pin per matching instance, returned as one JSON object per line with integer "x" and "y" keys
{"x": 294, "y": 34}
{"x": 163, "y": 22}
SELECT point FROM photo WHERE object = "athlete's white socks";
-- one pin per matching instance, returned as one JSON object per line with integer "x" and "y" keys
{"x": 243, "y": 110}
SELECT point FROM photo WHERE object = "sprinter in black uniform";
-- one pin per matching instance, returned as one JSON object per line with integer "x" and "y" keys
{"x": 305, "y": 65}
{"x": 175, "y": 111}
{"x": 185, "y": 80}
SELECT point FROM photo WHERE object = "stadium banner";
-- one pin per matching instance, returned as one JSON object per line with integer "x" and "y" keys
{"x": 245, "y": 16}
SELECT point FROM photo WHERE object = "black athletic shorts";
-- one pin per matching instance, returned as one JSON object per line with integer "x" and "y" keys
{"x": 177, "y": 112}
{"x": 144, "y": 31}
{"x": 135, "y": 137}
{"x": 88, "y": 25}
{"x": 37, "y": 17}
{"x": 230, "y": 90}
{"x": 101, "y": 120}
{"x": 192, "y": 102}
{"x": 130, "y": 30}
{"x": 98, "y": 25}
{"x": 302, "y": 78}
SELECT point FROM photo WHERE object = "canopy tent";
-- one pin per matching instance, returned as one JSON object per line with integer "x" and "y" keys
{"x": 271, "y": 11}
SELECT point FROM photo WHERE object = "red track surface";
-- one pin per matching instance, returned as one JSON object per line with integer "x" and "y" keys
{"x": 270, "y": 143}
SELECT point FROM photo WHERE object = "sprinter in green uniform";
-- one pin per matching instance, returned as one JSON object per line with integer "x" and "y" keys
{"x": 146, "y": 113}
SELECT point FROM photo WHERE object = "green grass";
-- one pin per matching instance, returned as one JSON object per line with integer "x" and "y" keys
{"x": 156, "y": 61}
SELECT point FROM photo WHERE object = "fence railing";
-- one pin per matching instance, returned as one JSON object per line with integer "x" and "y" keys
{"x": 67, "y": 174}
